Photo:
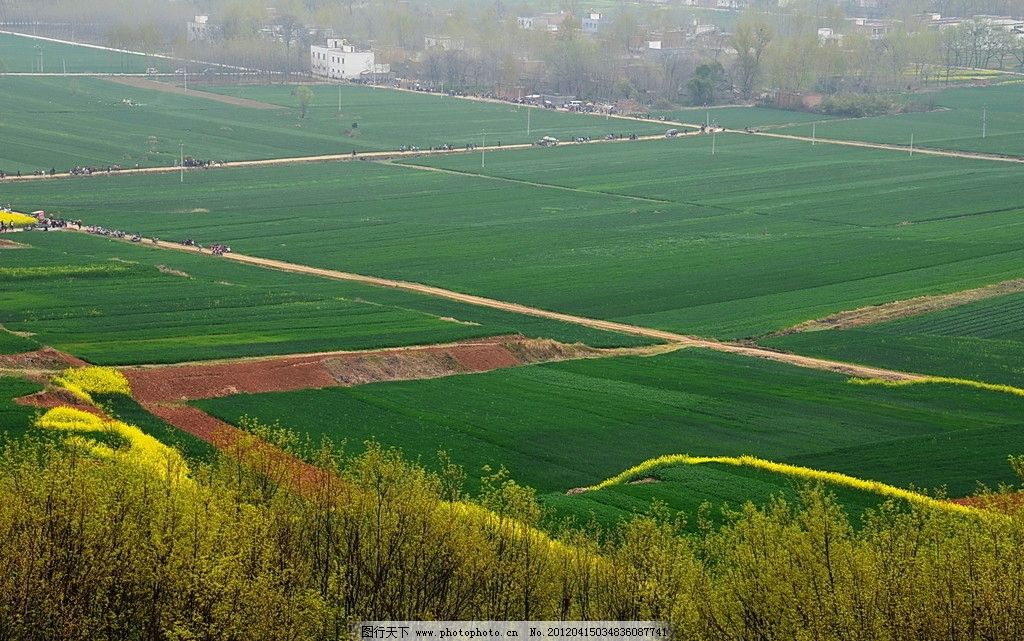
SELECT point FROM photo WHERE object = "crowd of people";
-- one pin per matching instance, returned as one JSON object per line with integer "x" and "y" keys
{"x": 77, "y": 170}
{"x": 46, "y": 224}
{"x": 196, "y": 163}
{"x": 217, "y": 249}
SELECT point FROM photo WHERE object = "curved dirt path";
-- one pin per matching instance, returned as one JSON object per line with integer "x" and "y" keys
{"x": 894, "y": 310}
{"x": 840, "y": 367}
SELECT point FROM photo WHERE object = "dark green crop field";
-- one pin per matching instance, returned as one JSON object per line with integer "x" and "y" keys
{"x": 685, "y": 488}
{"x": 63, "y": 122}
{"x": 763, "y": 235}
{"x": 15, "y": 420}
{"x": 981, "y": 341}
{"x": 114, "y": 303}
{"x": 23, "y": 54}
{"x": 955, "y": 124}
{"x": 13, "y": 344}
{"x": 573, "y": 424}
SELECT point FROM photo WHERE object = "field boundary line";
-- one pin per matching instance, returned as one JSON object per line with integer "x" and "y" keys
{"x": 839, "y": 367}
{"x": 578, "y": 190}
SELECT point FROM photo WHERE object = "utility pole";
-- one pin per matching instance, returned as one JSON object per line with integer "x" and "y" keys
{"x": 339, "y": 99}
{"x": 984, "y": 121}
{"x": 181, "y": 162}
{"x": 911, "y": 143}
{"x": 185, "y": 70}
{"x": 529, "y": 109}
{"x": 483, "y": 151}
{"x": 64, "y": 65}
{"x": 713, "y": 134}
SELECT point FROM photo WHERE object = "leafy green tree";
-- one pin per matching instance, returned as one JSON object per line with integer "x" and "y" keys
{"x": 304, "y": 97}
{"x": 705, "y": 80}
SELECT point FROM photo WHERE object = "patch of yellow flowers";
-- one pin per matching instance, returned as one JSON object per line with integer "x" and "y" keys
{"x": 805, "y": 473}
{"x": 142, "y": 449}
{"x": 16, "y": 219}
{"x": 83, "y": 382}
{"x": 941, "y": 380}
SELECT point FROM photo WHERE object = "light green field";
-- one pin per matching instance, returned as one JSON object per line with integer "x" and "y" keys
{"x": 573, "y": 424}
{"x": 63, "y": 122}
{"x": 115, "y": 303}
{"x": 761, "y": 236}
{"x": 956, "y": 124}
{"x": 22, "y": 54}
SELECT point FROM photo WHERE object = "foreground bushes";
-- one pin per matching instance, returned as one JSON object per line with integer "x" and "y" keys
{"x": 93, "y": 549}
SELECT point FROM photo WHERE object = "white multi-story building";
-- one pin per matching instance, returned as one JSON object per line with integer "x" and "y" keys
{"x": 200, "y": 29}
{"x": 340, "y": 60}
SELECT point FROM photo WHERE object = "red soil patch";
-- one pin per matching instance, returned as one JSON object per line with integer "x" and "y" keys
{"x": 236, "y": 443}
{"x": 1010, "y": 502}
{"x": 39, "y": 364}
{"x": 188, "y": 382}
{"x": 177, "y": 383}
{"x": 197, "y": 423}
{"x": 56, "y": 397}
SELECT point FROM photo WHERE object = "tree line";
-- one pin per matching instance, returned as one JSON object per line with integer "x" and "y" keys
{"x": 768, "y": 47}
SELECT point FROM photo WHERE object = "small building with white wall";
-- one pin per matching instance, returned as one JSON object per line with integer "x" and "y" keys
{"x": 340, "y": 60}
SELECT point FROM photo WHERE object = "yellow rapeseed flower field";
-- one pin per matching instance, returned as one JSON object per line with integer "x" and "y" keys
{"x": 83, "y": 382}
{"x": 16, "y": 219}
{"x": 142, "y": 449}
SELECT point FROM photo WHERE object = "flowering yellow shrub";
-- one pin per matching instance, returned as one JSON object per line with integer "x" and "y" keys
{"x": 142, "y": 449}
{"x": 14, "y": 218}
{"x": 795, "y": 471}
{"x": 482, "y": 516}
{"x": 70, "y": 419}
{"x": 85, "y": 381}
{"x": 941, "y": 380}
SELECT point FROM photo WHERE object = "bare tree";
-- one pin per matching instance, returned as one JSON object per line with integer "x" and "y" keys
{"x": 751, "y": 40}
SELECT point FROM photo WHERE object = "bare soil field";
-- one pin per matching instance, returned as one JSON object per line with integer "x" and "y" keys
{"x": 153, "y": 85}
{"x": 178, "y": 383}
{"x": 274, "y": 463}
{"x": 55, "y": 397}
{"x": 905, "y": 308}
{"x": 39, "y": 364}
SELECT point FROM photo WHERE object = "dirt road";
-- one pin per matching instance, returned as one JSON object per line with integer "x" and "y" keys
{"x": 928, "y": 151}
{"x": 848, "y": 369}
{"x": 298, "y": 160}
